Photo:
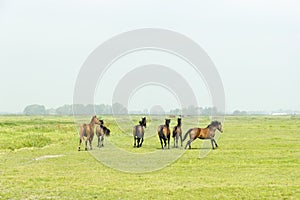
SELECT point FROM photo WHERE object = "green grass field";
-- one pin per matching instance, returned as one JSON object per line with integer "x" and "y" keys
{"x": 258, "y": 158}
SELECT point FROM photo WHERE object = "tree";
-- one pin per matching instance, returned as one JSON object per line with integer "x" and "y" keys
{"x": 64, "y": 110}
{"x": 237, "y": 112}
{"x": 119, "y": 109}
{"x": 34, "y": 109}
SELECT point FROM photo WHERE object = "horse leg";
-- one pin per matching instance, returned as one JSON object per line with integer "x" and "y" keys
{"x": 85, "y": 145}
{"x": 138, "y": 142}
{"x": 134, "y": 140}
{"x": 80, "y": 141}
{"x": 161, "y": 142}
{"x": 99, "y": 141}
{"x": 176, "y": 141}
{"x": 102, "y": 139}
{"x": 90, "y": 142}
{"x": 142, "y": 140}
{"x": 168, "y": 141}
{"x": 165, "y": 143}
{"x": 212, "y": 143}
{"x": 189, "y": 143}
{"x": 180, "y": 140}
{"x": 215, "y": 142}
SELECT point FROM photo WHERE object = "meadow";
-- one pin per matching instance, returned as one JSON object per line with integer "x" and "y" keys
{"x": 258, "y": 158}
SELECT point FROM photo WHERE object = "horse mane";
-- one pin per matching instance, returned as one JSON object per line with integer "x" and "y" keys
{"x": 93, "y": 118}
{"x": 213, "y": 123}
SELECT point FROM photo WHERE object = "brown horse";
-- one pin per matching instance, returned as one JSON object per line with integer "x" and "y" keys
{"x": 138, "y": 133}
{"x": 164, "y": 134}
{"x": 177, "y": 133}
{"x": 204, "y": 133}
{"x": 101, "y": 132}
{"x": 87, "y": 131}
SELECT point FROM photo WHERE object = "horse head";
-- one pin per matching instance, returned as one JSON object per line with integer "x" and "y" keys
{"x": 144, "y": 122}
{"x": 217, "y": 125}
{"x": 167, "y": 122}
{"x": 179, "y": 121}
{"x": 95, "y": 120}
{"x": 220, "y": 128}
{"x": 101, "y": 122}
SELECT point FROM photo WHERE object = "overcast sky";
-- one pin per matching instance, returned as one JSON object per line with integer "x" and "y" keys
{"x": 254, "y": 44}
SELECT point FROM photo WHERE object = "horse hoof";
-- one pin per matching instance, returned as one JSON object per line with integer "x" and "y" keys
{"x": 85, "y": 149}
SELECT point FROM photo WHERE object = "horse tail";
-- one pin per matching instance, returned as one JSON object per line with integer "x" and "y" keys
{"x": 161, "y": 133}
{"x": 185, "y": 136}
{"x": 174, "y": 131}
{"x": 134, "y": 131}
{"x": 107, "y": 132}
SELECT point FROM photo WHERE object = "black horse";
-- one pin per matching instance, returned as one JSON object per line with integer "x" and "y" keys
{"x": 138, "y": 133}
{"x": 163, "y": 132}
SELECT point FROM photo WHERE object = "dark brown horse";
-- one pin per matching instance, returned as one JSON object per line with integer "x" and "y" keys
{"x": 101, "y": 132}
{"x": 138, "y": 133}
{"x": 177, "y": 133}
{"x": 204, "y": 133}
{"x": 164, "y": 134}
{"x": 86, "y": 132}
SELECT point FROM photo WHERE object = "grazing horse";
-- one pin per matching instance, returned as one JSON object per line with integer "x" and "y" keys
{"x": 164, "y": 134}
{"x": 101, "y": 131}
{"x": 87, "y": 131}
{"x": 177, "y": 132}
{"x": 138, "y": 133}
{"x": 204, "y": 133}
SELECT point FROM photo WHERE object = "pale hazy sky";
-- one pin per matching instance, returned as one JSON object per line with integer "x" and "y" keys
{"x": 254, "y": 44}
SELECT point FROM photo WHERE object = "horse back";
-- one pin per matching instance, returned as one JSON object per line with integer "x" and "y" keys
{"x": 138, "y": 131}
{"x": 204, "y": 133}
{"x": 86, "y": 130}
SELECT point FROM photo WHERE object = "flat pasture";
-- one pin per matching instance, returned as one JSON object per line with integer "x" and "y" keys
{"x": 258, "y": 158}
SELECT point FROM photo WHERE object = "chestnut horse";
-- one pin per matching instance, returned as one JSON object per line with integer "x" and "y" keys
{"x": 138, "y": 133}
{"x": 87, "y": 131}
{"x": 164, "y": 134}
{"x": 204, "y": 133}
{"x": 177, "y": 133}
{"x": 101, "y": 131}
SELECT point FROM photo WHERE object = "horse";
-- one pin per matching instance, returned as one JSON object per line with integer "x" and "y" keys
{"x": 204, "y": 133}
{"x": 87, "y": 130}
{"x": 164, "y": 133}
{"x": 138, "y": 133}
{"x": 177, "y": 132}
{"x": 101, "y": 132}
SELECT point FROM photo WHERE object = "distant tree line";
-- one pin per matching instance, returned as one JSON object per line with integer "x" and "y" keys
{"x": 193, "y": 110}
{"x": 78, "y": 109}
{"x": 116, "y": 108}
